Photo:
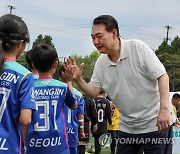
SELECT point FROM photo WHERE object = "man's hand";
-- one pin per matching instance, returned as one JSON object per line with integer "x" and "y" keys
{"x": 73, "y": 68}
{"x": 163, "y": 120}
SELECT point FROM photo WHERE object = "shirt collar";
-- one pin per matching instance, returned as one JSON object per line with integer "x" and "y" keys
{"x": 123, "y": 55}
{"x": 9, "y": 59}
{"x": 45, "y": 77}
{"x": 124, "y": 52}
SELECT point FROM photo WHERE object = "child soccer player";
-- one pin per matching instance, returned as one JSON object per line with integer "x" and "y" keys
{"x": 16, "y": 84}
{"x": 104, "y": 112}
{"x": 74, "y": 118}
{"x": 47, "y": 133}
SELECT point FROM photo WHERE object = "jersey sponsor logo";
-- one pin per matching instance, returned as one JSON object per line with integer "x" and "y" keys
{"x": 52, "y": 93}
{"x": 2, "y": 144}
{"x": 6, "y": 78}
{"x": 39, "y": 142}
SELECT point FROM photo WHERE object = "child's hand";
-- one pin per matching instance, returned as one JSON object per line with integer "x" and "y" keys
{"x": 67, "y": 76}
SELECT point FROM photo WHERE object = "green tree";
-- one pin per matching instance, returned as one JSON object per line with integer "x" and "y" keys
{"x": 169, "y": 55}
{"x": 47, "y": 39}
{"x": 164, "y": 48}
{"x": 172, "y": 65}
{"x": 22, "y": 59}
{"x": 89, "y": 62}
{"x": 176, "y": 45}
{"x": 39, "y": 40}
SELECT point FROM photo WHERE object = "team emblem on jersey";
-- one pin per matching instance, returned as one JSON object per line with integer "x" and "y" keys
{"x": 104, "y": 105}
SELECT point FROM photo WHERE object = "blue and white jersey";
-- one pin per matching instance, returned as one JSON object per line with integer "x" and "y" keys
{"x": 47, "y": 133}
{"x": 16, "y": 85}
{"x": 72, "y": 120}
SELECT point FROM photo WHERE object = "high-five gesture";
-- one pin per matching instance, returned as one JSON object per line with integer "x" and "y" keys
{"x": 67, "y": 73}
{"x": 73, "y": 69}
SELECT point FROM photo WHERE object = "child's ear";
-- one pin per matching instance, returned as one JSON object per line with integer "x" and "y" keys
{"x": 21, "y": 42}
{"x": 55, "y": 65}
{"x": 33, "y": 66}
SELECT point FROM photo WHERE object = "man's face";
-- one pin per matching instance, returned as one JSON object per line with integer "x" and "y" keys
{"x": 102, "y": 39}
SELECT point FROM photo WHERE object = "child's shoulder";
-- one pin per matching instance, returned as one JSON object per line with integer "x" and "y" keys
{"x": 58, "y": 83}
{"x": 16, "y": 67}
{"x": 49, "y": 83}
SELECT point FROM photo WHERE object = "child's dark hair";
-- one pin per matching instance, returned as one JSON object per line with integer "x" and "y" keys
{"x": 109, "y": 22}
{"x": 43, "y": 57}
{"x": 176, "y": 95}
{"x": 29, "y": 59}
{"x": 12, "y": 30}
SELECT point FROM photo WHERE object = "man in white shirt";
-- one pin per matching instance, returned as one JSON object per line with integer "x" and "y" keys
{"x": 135, "y": 80}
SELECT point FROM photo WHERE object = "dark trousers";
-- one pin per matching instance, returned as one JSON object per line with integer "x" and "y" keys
{"x": 113, "y": 145}
{"x": 97, "y": 145}
{"x": 81, "y": 149}
{"x": 152, "y": 143}
{"x": 114, "y": 136}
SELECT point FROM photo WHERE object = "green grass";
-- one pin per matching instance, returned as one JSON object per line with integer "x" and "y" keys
{"x": 103, "y": 150}
{"x": 106, "y": 151}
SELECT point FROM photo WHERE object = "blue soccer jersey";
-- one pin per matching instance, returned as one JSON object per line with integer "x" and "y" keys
{"x": 72, "y": 120}
{"x": 16, "y": 85}
{"x": 47, "y": 133}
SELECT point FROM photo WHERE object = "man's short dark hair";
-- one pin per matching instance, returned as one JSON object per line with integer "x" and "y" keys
{"x": 109, "y": 22}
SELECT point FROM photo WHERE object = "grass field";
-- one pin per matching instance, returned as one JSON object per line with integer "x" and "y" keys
{"x": 104, "y": 150}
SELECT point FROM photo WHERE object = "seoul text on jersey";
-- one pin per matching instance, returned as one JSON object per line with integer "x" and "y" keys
{"x": 39, "y": 142}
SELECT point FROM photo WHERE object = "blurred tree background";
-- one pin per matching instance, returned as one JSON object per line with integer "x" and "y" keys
{"x": 169, "y": 55}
